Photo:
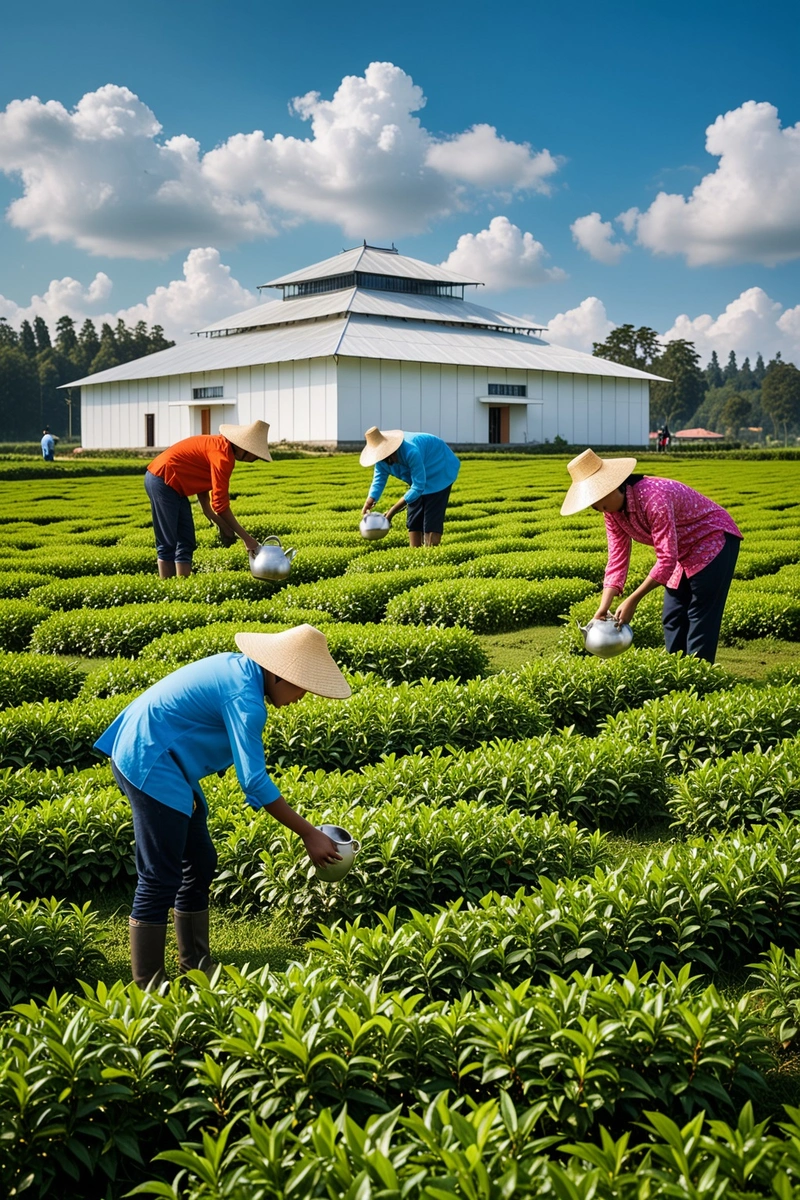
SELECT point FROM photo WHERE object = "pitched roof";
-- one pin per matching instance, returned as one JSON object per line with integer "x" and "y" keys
{"x": 359, "y": 300}
{"x": 361, "y": 336}
{"x": 373, "y": 260}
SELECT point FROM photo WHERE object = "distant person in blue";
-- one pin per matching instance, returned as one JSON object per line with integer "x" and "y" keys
{"x": 198, "y": 721}
{"x": 421, "y": 460}
{"x": 48, "y": 445}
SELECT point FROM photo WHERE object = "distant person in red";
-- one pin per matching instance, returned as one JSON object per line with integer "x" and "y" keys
{"x": 200, "y": 466}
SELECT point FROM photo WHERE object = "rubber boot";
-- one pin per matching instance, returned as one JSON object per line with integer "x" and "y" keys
{"x": 191, "y": 931}
{"x": 147, "y": 953}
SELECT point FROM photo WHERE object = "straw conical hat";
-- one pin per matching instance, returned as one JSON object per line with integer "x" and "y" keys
{"x": 299, "y": 655}
{"x": 380, "y": 445}
{"x": 592, "y": 478}
{"x": 253, "y": 438}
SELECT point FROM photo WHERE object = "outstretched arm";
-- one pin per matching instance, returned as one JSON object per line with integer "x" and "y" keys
{"x": 319, "y": 847}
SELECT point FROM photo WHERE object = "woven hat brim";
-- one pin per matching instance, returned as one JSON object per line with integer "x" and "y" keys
{"x": 258, "y": 444}
{"x": 316, "y": 673}
{"x": 586, "y": 492}
{"x": 392, "y": 440}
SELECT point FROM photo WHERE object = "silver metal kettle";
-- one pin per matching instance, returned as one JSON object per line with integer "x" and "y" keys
{"x": 346, "y": 846}
{"x": 271, "y": 562}
{"x": 374, "y": 525}
{"x": 606, "y": 639}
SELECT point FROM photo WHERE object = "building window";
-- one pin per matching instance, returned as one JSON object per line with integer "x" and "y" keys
{"x": 149, "y": 429}
{"x": 207, "y": 393}
{"x": 314, "y": 287}
{"x": 373, "y": 283}
{"x": 508, "y": 389}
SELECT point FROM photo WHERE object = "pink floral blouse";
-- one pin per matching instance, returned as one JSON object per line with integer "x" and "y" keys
{"x": 685, "y": 529}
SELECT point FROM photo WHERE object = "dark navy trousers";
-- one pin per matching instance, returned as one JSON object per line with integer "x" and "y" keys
{"x": 693, "y": 610}
{"x": 173, "y": 524}
{"x": 175, "y": 857}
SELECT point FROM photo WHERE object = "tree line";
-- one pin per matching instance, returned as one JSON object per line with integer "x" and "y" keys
{"x": 730, "y": 400}
{"x": 33, "y": 365}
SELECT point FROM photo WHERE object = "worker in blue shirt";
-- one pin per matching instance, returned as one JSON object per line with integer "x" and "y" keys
{"x": 48, "y": 445}
{"x": 421, "y": 460}
{"x": 202, "y": 719}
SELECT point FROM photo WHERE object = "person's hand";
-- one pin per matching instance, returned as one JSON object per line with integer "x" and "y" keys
{"x": 623, "y": 613}
{"x": 320, "y": 848}
{"x": 251, "y": 545}
{"x": 368, "y": 504}
{"x": 602, "y": 614}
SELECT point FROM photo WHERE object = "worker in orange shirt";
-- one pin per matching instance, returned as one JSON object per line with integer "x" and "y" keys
{"x": 199, "y": 466}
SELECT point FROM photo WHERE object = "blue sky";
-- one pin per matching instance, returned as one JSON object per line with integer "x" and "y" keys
{"x": 620, "y": 98}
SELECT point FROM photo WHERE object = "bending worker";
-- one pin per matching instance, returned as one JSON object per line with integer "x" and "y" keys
{"x": 203, "y": 718}
{"x": 200, "y": 466}
{"x": 695, "y": 540}
{"x": 421, "y": 460}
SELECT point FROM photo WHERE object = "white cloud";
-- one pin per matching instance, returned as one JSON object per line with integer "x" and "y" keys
{"x": 502, "y": 257}
{"x": 101, "y": 177}
{"x": 481, "y": 157}
{"x": 594, "y": 235}
{"x": 749, "y": 324}
{"x": 207, "y": 292}
{"x": 579, "y": 327}
{"x": 747, "y": 209}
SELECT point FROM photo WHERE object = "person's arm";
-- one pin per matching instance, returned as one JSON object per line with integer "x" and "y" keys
{"x": 244, "y": 721}
{"x": 624, "y": 611}
{"x": 397, "y": 507}
{"x": 230, "y": 526}
{"x": 379, "y": 476}
{"x": 619, "y": 557}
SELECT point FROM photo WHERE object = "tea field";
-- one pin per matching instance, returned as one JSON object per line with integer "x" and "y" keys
{"x": 567, "y": 962}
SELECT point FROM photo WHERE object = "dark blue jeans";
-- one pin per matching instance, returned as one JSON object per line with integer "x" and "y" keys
{"x": 693, "y": 610}
{"x": 426, "y": 513}
{"x": 175, "y": 857}
{"x": 172, "y": 520}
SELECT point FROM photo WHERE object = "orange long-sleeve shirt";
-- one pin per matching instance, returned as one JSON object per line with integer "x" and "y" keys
{"x": 198, "y": 464}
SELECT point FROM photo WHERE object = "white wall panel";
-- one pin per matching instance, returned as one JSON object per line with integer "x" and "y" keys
{"x": 448, "y": 404}
{"x": 411, "y": 397}
{"x": 550, "y": 413}
{"x": 430, "y": 420}
{"x": 391, "y": 396}
{"x": 466, "y": 419}
{"x": 566, "y": 407}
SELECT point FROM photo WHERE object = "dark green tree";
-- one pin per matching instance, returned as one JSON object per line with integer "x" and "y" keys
{"x": 8, "y": 334}
{"x": 746, "y": 380}
{"x": 157, "y": 341}
{"x": 626, "y": 345}
{"x": 41, "y": 333}
{"x": 19, "y": 394}
{"x": 107, "y": 355}
{"x": 731, "y": 369}
{"x": 759, "y": 371}
{"x": 27, "y": 340}
{"x": 735, "y": 413}
{"x": 66, "y": 338}
{"x": 780, "y": 397}
{"x": 672, "y": 402}
{"x": 714, "y": 376}
{"x": 89, "y": 344}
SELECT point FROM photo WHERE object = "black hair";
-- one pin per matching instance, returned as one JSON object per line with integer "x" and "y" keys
{"x": 631, "y": 481}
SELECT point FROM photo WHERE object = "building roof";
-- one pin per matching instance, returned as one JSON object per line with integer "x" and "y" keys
{"x": 362, "y": 336}
{"x": 358, "y": 300}
{"x": 373, "y": 260}
{"x": 697, "y": 434}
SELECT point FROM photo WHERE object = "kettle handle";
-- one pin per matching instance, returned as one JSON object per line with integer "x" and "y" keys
{"x": 272, "y": 538}
{"x": 356, "y": 846}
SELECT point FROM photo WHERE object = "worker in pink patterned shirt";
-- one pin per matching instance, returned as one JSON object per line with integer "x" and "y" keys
{"x": 695, "y": 540}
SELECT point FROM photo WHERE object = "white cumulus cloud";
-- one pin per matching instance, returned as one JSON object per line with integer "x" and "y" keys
{"x": 207, "y": 292}
{"x": 595, "y": 236}
{"x": 102, "y": 177}
{"x": 579, "y": 327}
{"x": 502, "y": 257}
{"x": 751, "y": 324}
{"x": 746, "y": 210}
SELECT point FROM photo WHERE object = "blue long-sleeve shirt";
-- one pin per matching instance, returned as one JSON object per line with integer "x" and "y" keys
{"x": 203, "y": 718}
{"x": 424, "y": 461}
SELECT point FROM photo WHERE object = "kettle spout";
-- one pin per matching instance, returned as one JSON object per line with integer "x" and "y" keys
{"x": 583, "y": 628}
{"x": 290, "y": 554}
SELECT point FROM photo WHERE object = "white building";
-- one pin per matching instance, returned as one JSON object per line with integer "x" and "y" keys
{"x": 369, "y": 337}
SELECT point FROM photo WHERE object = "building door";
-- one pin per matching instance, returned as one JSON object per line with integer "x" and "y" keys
{"x": 498, "y": 424}
{"x": 149, "y": 429}
{"x": 205, "y": 420}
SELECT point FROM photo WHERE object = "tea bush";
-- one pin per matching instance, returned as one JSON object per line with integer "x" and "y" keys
{"x": 122, "y": 631}
{"x": 111, "y": 560}
{"x": 714, "y": 905}
{"x": 25, "y": 677}
{"x": 488, "y": 605}
{"x": 55, "y": 733}
{"x": 45, "y": 944}
{"x": 104, "y": 591}
{"x": 407, "y": 558}
{"x": 31, "y": 787}
{"x": 18, "y": 619}
{"x": 332, "y": 735}
{"x": 15, "y": 585}
{"x": 396, "y": 654}
{"x": 753, "y": 788}
{"x": 686, "y": 730}
{"x": 538, "y": 564}
{"x": 358, "y": 598}
{"x": 123, "y": 677}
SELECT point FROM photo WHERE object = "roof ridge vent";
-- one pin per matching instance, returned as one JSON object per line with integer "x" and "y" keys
{"x": 383, "y": 249}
